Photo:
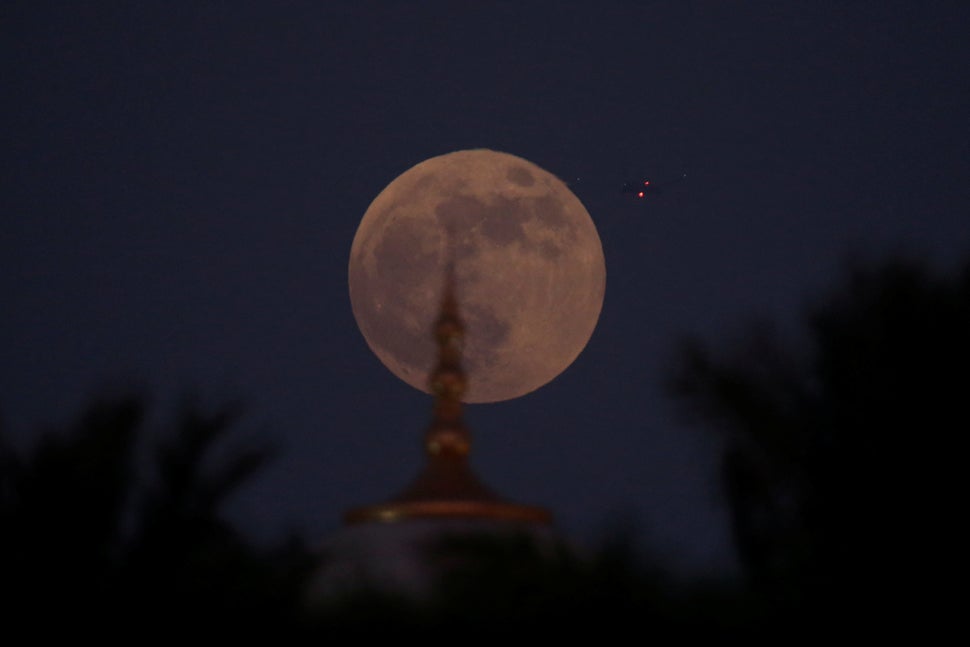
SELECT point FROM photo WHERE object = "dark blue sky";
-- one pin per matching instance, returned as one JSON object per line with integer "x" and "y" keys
{"x": 181, "y": 183}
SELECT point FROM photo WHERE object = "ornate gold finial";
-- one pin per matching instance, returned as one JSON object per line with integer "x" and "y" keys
{"x": 447, "y": 487}
{"x": 447, "y": 433}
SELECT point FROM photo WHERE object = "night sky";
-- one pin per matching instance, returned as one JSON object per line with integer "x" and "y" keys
{"x": 181, "y": 183}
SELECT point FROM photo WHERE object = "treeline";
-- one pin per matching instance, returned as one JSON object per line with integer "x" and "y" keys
{"x": 839, "y": 469}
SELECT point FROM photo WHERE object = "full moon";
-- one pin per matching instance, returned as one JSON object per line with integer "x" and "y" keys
{"x": 528, "y": 267}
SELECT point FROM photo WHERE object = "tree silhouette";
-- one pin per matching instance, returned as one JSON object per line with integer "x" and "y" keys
{"x": 839, "y": 451}
{"x": 497, "y": 584}
{"x": 87, "y": 540}
{"x": 62, "y": 511}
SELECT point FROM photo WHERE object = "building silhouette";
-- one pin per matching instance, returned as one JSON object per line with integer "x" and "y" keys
{"x": 387, "y": 546}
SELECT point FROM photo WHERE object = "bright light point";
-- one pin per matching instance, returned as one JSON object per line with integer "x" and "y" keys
{"x": 640, "y": 195}
{"x": 646, "y": 183}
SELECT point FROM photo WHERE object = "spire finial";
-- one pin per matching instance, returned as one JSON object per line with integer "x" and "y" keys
{"x": 447, "y": 487}
{"x": 447, "y": 433}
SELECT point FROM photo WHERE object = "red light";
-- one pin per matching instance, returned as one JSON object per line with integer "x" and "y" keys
{"x": 640, "y": 195}
{"x": 646, "y": 183}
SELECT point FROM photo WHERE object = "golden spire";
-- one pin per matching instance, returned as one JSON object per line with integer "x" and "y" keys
{"x": 447, "y": 487}
{"x": 447, "y": 433}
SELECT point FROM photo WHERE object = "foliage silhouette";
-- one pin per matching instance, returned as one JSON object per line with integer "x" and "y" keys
{"x": 501, "y": 584}
{"x": 838, "y": 454}
{"x": 80, "y": 544}
{"x": 62, "y": 508}
{"x": 839, "y": 460}
{"x": 90, "y": 540}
